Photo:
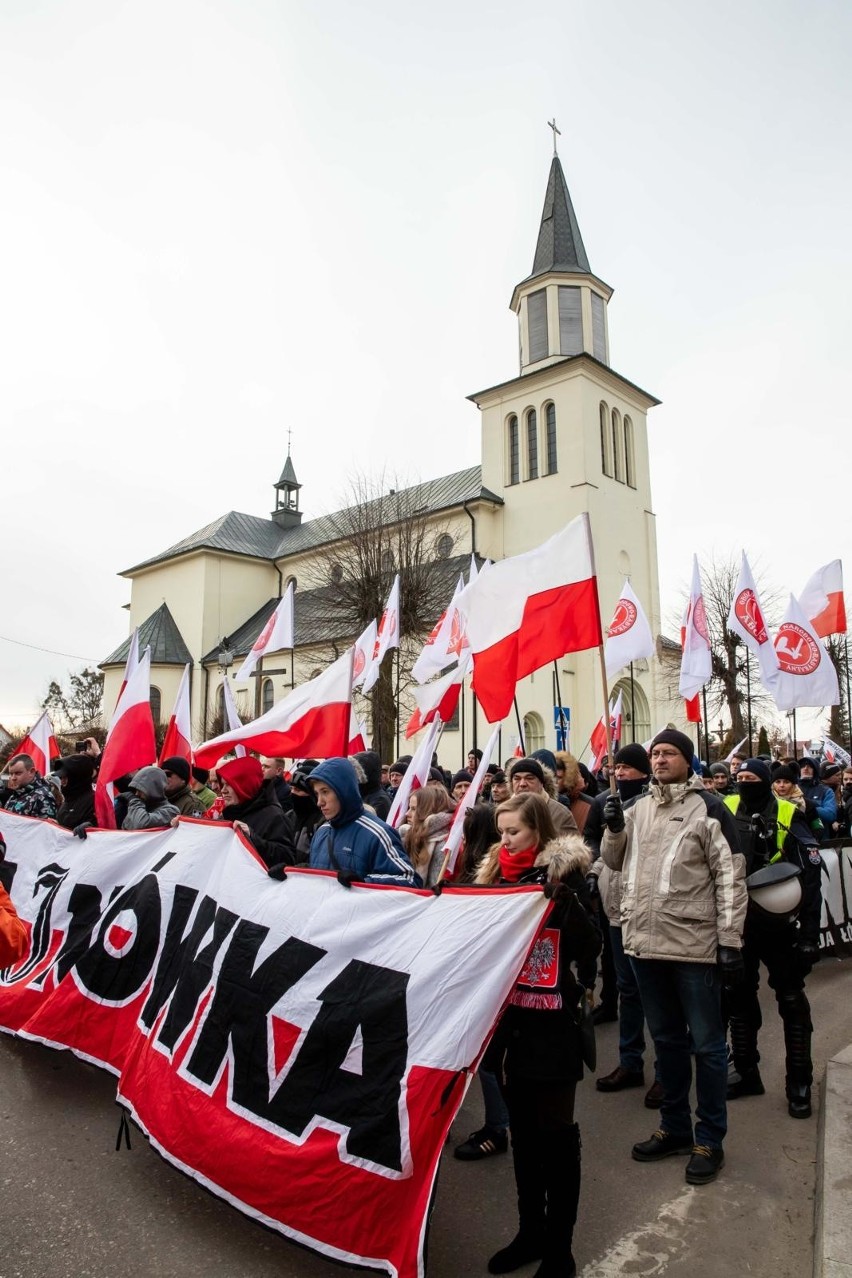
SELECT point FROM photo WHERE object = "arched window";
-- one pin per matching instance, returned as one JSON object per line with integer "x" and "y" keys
{"x": 267, "y": 696}
{"x": 532, "y": 444}
{"x": 636, "y": 720}
{"x": 629, "y": 454}
{"x": 533, "y": 732}
{"x": 155, "y": 700}
{"x": 514, "y": 452}
{"x": 617, "y": 446}
{"x": 606, "y": 441}
{"x": 550, "y": 427}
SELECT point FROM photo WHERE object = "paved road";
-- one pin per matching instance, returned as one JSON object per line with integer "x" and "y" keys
{"x": 74, "y": 1208}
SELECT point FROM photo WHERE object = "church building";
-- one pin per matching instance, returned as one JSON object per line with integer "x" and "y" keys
{"x": 565, "y": 434}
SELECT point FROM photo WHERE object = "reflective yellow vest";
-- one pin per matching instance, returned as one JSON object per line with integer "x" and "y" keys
{"x": 784, "y": 819}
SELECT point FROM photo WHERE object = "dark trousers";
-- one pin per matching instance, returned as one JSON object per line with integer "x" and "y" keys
{"x": 546, "y": 1156}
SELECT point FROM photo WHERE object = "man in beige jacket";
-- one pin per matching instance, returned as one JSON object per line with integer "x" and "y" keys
{"x": 682, "y": 911}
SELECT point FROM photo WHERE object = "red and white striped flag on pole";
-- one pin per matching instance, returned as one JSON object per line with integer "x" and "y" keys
{"x": 312, "y": 720}
{"x": 231, "y": 714}
{"x": 440, "y": 697}
{"x": 597, "y": 744}
{"x": 357, "y": 733}
{"x": 455, "y": 835}
{"x": 130, "y": 743}
{"x": 131, "y": 663}
{"x": 387, "y": 637}
{"x": 276, "y": 635}
{"x": 417, "y": 772}
{"x": 177, "y": 742}
{"x": 40, "y": 744}
{"x": 822, "y": 600}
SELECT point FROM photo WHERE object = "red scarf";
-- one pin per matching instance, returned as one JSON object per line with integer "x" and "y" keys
{"x": 514, "y": 864}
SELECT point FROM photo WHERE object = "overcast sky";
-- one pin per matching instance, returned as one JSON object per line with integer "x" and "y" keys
{"x": 222, "y": 220}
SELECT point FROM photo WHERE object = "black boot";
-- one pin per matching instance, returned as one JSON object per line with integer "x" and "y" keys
{"x": 562, "y": 1162}
{"x": 796, "y": 1013}
{"x": 744, "y": 1025}
{"x": 528, "y": 1243}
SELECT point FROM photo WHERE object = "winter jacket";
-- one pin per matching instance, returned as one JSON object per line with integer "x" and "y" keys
{"x": 428, "y": 866}
{"x": 609, "y": 881}
{"x": 13, "y": 934}
{"x": 154, "y": 811}
{"x": 354, "y": 840}
{"x": 78, "y": 797}
{"x": 186, "y": 802}
{"x": 373, "y": 793}
{"x": 683, "y": 893}
{"x": 800, "y": 848}
{"x": 821, "y": 796}
{"x": 270, "y": 827}
{"x": 36, "y": 799}
{"x": 205, "y": 796}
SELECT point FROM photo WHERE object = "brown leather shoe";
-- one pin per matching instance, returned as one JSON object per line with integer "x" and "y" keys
{"x": 619, "y": 1079}
{"x": 654, "y": 1096}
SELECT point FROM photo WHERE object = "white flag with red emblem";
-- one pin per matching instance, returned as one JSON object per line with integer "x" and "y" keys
{"x": 387, "y": 637}
{"x": 177, "y": 741}
{"x": 455, "y": 835}
{"x": 130, "y": 743}
{"x": 40, "y": 745}
{"x": 417, "y": 772}
{"x": 365, "y": 646}
{"x": 822, "y": 600}
{"x": 806, "y": 673}
{"x": 747, "y": 620}
{"x": 276, "y": 635}
{"x": 446, "y": 642}
{"x": 696, "y": 666}
{"x": 440, "y": 697}
{"x": 629, "y": 636}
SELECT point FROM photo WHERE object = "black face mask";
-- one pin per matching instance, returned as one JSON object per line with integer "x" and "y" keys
{"x": 629, "y": 789}
{"x": 754, "y": 795}
{"x": 303, "y": 804}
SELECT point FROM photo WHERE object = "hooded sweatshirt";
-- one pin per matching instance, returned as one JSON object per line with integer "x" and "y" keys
{"x": 372, "y": 791}
{"x": 154, "y": 811}
{"x": 821, "y": 796}
{"x": 354, "y": 840}
{"x": 78, "y": 797}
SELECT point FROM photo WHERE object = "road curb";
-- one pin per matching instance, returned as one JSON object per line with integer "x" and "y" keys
{"x": 833, "y": 1204}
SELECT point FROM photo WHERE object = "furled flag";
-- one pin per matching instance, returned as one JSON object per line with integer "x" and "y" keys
{"x": 177, "y": 741}
{"x": 446, "y": 642}
{"x": 806, "y": 674}
{"x": 365, "y": 646}
{"x": 131, "y": 663}
{"x": 597, "y": 744}
{"x": 529, "y": 610}
{"x": 40, "y": 744}
{"x": 696, "y": 665}
{"x": 387, "y": 637}
{"x": 455, "y": 835}
{"x": 277, "y": 634}
{"x": 440, "y": 697}
{"x": 746, "y": 619}
{"x": 629, "y": 636}
{"x": 130, "y": 742}
{"x": 357, "y": 733}
{"x": 232, "y": 717}
{"x": 736, "y": 750}
{"x": 312, "y": 720}
{"x": 417, "y": 772}
{"x": 822, "y": 600}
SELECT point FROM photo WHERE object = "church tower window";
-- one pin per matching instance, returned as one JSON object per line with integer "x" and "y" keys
{"x": 514, "y": 452}
{"x": 617, "y": 447}
{"x": 550, "y": 424}
{"x": 537, "y": 321}
{"x": 629, "y": 453}
{"x": 532, "y": 444}
{"x": 155, "y": 700}
{"x": 599, "y": 328}
{"x": 570, "y": 320}
{"x": 606, "y": 440}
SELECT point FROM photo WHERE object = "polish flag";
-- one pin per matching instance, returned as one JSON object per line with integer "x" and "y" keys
{"x": 130, "y": 742}
{"x": 806, "y": 673}
{"x": 597, "y": 744}
{"x": 440, "y": 697}
{"x": 357, "y": 733}
{"x": 529, "y": 610}
{"x": 40, "y": 745}
{"x": 277, "y": 634}
{"x": 693, "y": 709}
{"x": 455, "y": 835}
{"x": 387, "y": 637}
{"x": 131, "y": 663}
{"x": 446, "y": 642}
{"x": 737, "y": 748}
{"x": 696, "y": 666}
{"x": 177, "y": 741}
{"x": 312, "y": 720}
{"x": 365, "y": 646}
{"x": 231, "y": 715}
{"x": 417, "y": 772}
{"x": 746, "y": 619}
{"x": 822, "y": 600}
{"x": 629, "y": 636}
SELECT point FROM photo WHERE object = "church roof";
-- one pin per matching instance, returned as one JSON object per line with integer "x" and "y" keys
{"x": 259, "y": 538}
{"x": 560, "y": 245}
{"x": 288, "y": 474}
{"x": 159, "y": 633}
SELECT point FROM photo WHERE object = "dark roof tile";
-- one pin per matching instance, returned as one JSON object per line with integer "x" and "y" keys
{"x": 159, "y": 633}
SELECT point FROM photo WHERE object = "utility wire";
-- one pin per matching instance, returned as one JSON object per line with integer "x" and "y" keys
{"x": 53, "y": 652}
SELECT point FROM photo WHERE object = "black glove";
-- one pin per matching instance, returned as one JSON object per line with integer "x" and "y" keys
{"x": 807, "y": 954}
{"x": 347, "y": 878}
{"x": 613, "y": 814}
{"x": 593, "y": 887}
{"x": 437, "y": 888}
{"x": 79, "y": 831}
{"x": 732, "y": 965}
{"x": 558, "y": 892}
{"x": 278, "y": 871}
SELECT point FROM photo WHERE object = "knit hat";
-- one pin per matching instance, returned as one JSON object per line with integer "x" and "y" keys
{"x": 829, "y": 770}
{"x": 244, "y": 776}
{"x": 435, "y": 774}
{"x": 400, "y": 766}
{"x": 680, "y": 741}
{"x": 201, "y": 775}
{"x": 720, "y": 769}
{"x": 545, "y": 757}
{"x": 634, "y": 756}
{"x": 532, "y": 766}
{"x": 461, "y": 775}
{"x": 786, "y": 772}
{"x": 758, "y": 767}
{"x": 178, "y": 765}
{"x": 151, "y": 781}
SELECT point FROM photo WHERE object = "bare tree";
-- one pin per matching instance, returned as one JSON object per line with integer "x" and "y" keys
{"x": 79, "y": 705}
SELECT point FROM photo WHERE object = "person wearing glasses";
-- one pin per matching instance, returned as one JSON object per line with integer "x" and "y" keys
{"x": 178, "y": 791}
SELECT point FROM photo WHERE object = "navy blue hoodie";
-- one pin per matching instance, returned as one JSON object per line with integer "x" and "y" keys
{"x": 367, "y": 847}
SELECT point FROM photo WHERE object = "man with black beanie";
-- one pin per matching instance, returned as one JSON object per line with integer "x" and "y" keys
{"x": 772, "y": 832}
{"x": 178, "y": 772}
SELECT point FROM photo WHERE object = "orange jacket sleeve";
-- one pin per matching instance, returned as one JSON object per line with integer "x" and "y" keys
{"x": 13, "y": 934}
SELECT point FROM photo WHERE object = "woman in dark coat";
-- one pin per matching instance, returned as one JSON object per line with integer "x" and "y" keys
{"x": 251, "y": 805}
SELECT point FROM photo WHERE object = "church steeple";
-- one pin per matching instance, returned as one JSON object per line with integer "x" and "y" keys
{"x": 561, "y": 305}
{"x": 286, "y": 512}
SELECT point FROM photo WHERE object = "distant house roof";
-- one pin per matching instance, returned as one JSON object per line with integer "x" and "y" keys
{"x": 159, "y": 633}
{"x": 250, "y": 535}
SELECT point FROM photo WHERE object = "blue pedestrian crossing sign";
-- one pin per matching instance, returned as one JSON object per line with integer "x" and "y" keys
{"x": 562, "y": 724}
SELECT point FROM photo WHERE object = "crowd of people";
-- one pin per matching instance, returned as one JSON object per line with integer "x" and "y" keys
{"x": 670, "y": 883}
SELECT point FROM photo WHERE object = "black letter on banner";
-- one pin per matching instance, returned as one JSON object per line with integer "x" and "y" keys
{"x": 239, "y": 1012}
{"x": 84, "y": 906}
{"x": 183, "y": 968}
{"x": 115, "y": 980}
{"x": 372, "y": 998}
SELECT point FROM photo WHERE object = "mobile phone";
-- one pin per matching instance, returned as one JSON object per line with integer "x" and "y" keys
{"x": 81, "y": 747}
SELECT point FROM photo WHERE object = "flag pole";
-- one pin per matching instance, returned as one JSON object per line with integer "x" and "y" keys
{"x": 520, "y": 727}
{"x": 748, "y": 701}
{"x": 474, "y": 716}
{"x": 292, "y": 668}
{"x": 397, "y": 701}
{"x": 632, "y": 706}
{"x": 848, "y": 701}
{"x": 604, "y": 689}
{"x": 795, "y": 734}
{"x": 462, "y": 700}
{"x": 561, "y": 711}
{"x": 257, "y": 688}
{"x": 706, "y": 723}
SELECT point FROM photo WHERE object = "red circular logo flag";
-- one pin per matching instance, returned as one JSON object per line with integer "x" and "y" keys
{"x": 625, "y": 615}
{"x": 699, "y": 618}
{"x": 359, "y": 663}
{"x": 798, "y": 653}
{"x": 749, "y": 616}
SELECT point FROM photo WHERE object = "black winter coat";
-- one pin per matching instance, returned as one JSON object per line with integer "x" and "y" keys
{"x": 271, "y": 829}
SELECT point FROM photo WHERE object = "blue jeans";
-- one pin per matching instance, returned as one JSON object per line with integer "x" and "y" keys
{"x": 682, "y": 1003}
{"x": 496, "y": 1113}
{"x": 631, "y": 1014}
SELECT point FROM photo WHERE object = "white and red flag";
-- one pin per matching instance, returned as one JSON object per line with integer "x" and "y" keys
{"x": 231, "y": 715}
{"x": 365, "y": 646}
{"x": 130, "y": 743}
{"x": 40, "y": 744}
{"x": 597, "y": 744}
{"x": 737, "y": 748}
{"x": 387, "y": 637}
{"x": 529, "y": 610}
{"x": 417, "y": 772}
{"x": 629, "y": 636}
{"x": 747, "y": 620}
{"x": 131, "y": 663}
{"x": 177, "y": 741}
{"x": 806, "y": 673}
{"x": 276, "y": 635}
{"x": 822, "y": 600}
{"x": 455, "y": 835}
{"x": 357, "y": 733}
{"x": 446, "y": 642}
{"x": 312, "y": 720}
{"x": 440, "y": 697}
{"x": 696, "y": 665}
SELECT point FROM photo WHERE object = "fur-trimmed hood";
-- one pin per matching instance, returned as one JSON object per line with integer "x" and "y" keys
{"x": 563, "y": 856}
{"x": 551, "y": 789}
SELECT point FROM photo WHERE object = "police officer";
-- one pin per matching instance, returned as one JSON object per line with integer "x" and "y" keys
{"x": 773, "y": 832}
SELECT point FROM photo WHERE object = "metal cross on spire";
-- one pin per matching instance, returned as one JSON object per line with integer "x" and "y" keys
{"x": 289, "y": 435}
{"x": 551, "y": 124}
